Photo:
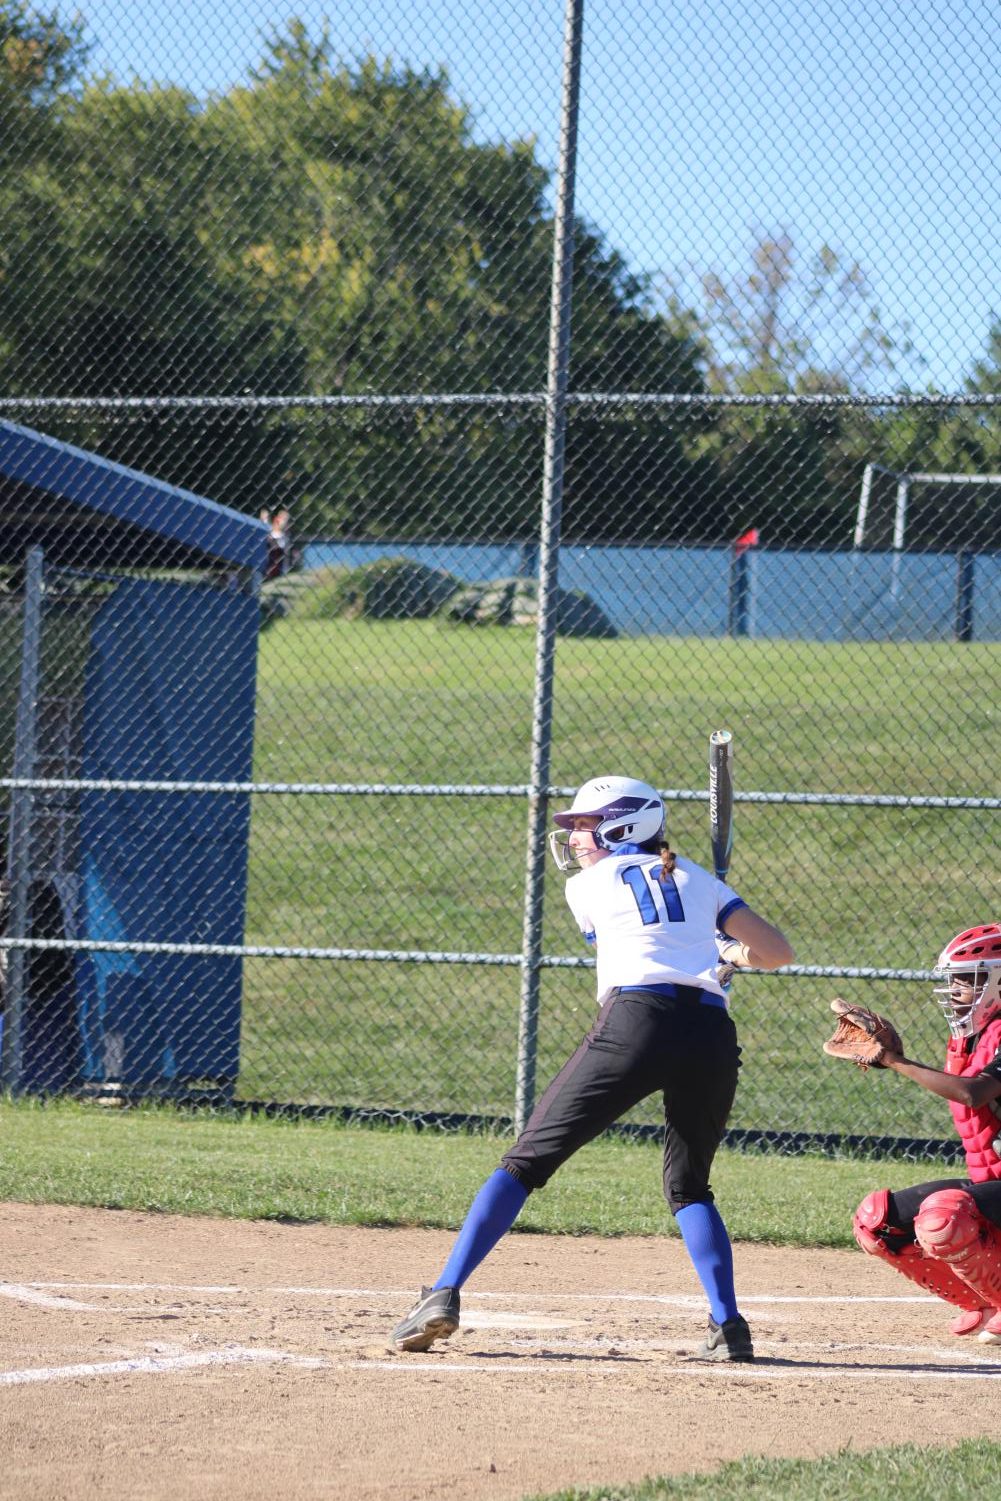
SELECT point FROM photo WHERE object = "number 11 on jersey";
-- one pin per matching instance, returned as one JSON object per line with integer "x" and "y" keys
{"x": 635, "y": 877}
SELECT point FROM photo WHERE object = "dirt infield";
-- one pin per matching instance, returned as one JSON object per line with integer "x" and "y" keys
{"x": 153, "y": 1356}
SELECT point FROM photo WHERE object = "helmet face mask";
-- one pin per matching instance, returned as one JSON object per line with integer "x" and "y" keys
{"x": 970, "y": 965}
{"x": 563, "y": 851}
{"x": 628, "y": 812}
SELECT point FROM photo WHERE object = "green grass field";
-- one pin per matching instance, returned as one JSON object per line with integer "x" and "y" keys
{"x": 906, "y": 1472}
{"x": 418, "y": 702}
{"x": 255, "y": 1167}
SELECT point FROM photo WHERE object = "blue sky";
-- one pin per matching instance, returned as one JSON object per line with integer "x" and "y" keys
{"x": 869, "y": 125}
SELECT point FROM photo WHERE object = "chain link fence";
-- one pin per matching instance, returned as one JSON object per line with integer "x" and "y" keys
{"x": 404, "y": 425}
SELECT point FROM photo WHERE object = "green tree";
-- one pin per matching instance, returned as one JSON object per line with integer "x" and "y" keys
{"x": 40, "y": 59}
{"x": 41, "y": 56}
{"x": 126, "y": 299}
{"x": 932, "y": 439}
{"x": 785, "y": 328}
{"x": 328, "y": 230}
{"x": 954, "y": 440}
{"x": 411, "y": 258}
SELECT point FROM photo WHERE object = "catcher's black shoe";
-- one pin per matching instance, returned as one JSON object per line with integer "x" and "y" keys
{"x": 435, "y": 1315}
{"x": 729, "y": 1341}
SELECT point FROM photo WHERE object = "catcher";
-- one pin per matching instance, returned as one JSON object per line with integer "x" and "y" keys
{"x": 945, "y": 1235}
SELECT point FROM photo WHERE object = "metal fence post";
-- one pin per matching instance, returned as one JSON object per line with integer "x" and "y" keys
{"x": 964, "y": 596}
{"x": 899, "y": 531}
{"x": 738, "y": 593}
{"x": 549, "y": 557}
{"x": 19, "y": 828}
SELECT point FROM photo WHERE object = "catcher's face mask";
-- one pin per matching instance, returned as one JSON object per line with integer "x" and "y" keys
{"x": 970, "y": 965}
{"x": 969, "y": 998}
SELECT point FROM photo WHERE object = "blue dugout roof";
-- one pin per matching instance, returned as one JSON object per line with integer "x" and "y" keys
{"x": 88, "y": 511}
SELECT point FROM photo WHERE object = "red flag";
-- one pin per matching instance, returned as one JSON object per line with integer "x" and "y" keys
{"x": 747, "y": 539}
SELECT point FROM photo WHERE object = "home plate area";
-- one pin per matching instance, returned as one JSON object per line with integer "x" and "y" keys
{"x": 190, "y": 1358}
{"x": 505, "y": 1331}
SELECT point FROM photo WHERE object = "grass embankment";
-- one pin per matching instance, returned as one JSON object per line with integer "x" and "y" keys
{"x": 408, "y": 703}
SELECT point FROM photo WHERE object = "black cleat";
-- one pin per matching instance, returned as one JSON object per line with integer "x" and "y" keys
{"x": 729, "y": 1341}
{"x": 435, "y": 1315}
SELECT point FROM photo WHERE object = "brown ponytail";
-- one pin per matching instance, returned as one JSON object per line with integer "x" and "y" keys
{"x": 668, "y": 860}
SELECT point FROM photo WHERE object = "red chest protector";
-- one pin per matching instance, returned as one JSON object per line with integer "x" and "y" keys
{"x": 980, "y": 1130}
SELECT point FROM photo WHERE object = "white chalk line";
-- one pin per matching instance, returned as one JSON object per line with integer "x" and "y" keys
{"x": 668, "y": 1300}
{"x": 762, "y": 1372}
{"x": 22, "y": 1292}
{"x": 776, "y": 1350}
{"x": 482, "y": 1319}
{"x": 156, "y": 1365}
{"x": 142, "y": 1287}
{"x": 972, "y": 1366}
{"x": 612, "y": 1347}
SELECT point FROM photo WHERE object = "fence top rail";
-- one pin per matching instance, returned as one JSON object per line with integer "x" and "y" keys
{"x": 412, "y": 956}
{"x": 460, "y": 789}
{"x": 422, "y": 400}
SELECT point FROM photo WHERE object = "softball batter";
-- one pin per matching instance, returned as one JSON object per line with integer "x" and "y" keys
{"x": 668, "y": 936}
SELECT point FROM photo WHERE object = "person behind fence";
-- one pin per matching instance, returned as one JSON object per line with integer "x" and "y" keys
{"x": 668, "y": 936}
{"x": 279, "y": 543}
{"x": 945, "y": 1235}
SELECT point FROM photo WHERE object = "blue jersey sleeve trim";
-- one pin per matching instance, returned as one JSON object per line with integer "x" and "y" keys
{"x": 728, "y": 911}
{"x": 589, "y": 936}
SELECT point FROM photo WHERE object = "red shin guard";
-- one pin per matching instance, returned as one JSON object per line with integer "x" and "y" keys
{"x": 951, "y": 1229}
{"x": 933, "y": 1274}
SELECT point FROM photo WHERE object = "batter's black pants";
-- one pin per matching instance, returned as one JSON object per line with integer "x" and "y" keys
{"x": 640, "y": 1043}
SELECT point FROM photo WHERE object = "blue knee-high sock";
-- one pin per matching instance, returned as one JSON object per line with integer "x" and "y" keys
{"x": 491, "y": 1215}
{"x": 707, "y": 1243}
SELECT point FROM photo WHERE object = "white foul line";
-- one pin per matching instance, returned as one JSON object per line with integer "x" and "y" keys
{"x": 22, "y": 1293}
{"x": 774, "y": 1368}
{"x": 144, "y": 1287}
{"x": 762, "y": 1372}
{"x": 152, "y": 1365}
{"x": 667, "y": 1300}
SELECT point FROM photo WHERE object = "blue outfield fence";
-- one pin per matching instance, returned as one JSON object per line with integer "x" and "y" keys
{"x": 710, "y": 591}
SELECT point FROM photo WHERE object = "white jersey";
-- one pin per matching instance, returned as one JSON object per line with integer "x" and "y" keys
{"x": 648, "y": 931}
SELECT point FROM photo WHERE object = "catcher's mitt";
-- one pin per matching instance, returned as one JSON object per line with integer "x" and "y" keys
{"x": 862, "y": 1036}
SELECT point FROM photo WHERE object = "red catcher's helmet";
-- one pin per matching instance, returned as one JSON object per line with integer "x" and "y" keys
{"x": 972, "y": 958}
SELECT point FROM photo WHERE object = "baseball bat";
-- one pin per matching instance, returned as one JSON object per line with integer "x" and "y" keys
{"x": 721, "y": 800}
